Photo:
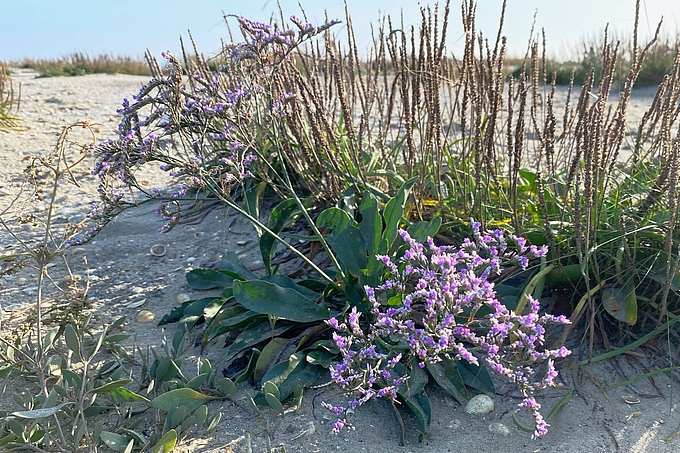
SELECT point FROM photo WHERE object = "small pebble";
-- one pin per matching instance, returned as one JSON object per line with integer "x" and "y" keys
{"x": 499, "y": 429}
{"x": 78, "y": 251}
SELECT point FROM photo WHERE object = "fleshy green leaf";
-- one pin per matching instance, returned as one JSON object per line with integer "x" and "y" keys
{"x": 109, "y": 387}
{"x": 350, "y": 249}
{"x": 335, "y": 219}
{"x": 445, "y": 374}
{"x": 474, "y": 376}
{"x": 277, "y": 219}
{"x": 269, "y": 357}
{"x": 167, "y": 442}
{"x": 127, "y": 396}
{"x": 394, "y": 211}
{"x": 420, "y": 231}
{"x": 37, "y": 414}
{"x": 371, "y": 223}
{"x": 284, "y": 303}
{"x": 189, "y": 398}
{"x": 115, "y": 442}
{"x": 231, "y": 265}
{"x": 72, "y": 340}
{"x": 254, "y": 334}
{"x": 289, "y": 374}
{"x": 621, "y": 302}
{"x": 208, "y": 279}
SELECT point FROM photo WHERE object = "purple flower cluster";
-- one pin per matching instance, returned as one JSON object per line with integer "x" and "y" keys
{"x": 264, "y": 37}
{"x": 204, "y": 128}
{"x": 432, "y": 288}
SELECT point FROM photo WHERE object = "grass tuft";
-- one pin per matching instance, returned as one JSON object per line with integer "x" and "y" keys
{"x": 9, "y": 104}
{"x": 78, "y": 64}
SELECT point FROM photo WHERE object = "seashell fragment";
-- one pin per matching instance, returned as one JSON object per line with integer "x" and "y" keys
{"x": 630, "y": 399}
{"x": 499, "y": 429}
{"x": 158, "y": 250}
{"x": 182, "y": 297}
{"x": 479, "y": 405}
{"x": 454, "y": 424}
{"x": 135, "y": 303}
{"x": 145, "y": 316}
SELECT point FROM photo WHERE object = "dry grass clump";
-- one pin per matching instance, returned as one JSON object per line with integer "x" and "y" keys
{"x": 81, "y": 64}
{"x": 9, "y": 104}
{"x": 659, "y": 62}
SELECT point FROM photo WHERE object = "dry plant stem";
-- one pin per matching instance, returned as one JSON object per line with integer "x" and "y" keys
{"x": 229, "y": 202}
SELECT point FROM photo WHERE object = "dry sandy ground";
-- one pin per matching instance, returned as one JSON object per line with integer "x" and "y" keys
{"x": 121, "y": 270}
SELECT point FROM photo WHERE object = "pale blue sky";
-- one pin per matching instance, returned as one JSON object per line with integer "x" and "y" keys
{"x": 52, "y": 28}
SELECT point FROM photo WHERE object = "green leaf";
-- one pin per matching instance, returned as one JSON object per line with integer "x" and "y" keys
{"x": 321, "y": 358}
{"x": 109, "y": 387}
{"x": 621, "y": 302}
{"x": 416, "y": 381}
{"x": 201, "y": 415}
{"x": 284, "y": 303}
{"x": 269, "y": 357}
{"x": 208, "y": 279}
{"x": 198, "y": 381}
{"x": 244, "y": 375}
{"x": 116, "y": 337}
{"x": 72, "y": 340}
{"x": 256, "y": 333}
{"x": 252, "y": 201}
{"x": 411, "y": 393}
{"x": 287, "y": 282}
{"x": 93, "y": 411}
{"x": 571, "y": 273}
{"x": 165, "y": 370}
{"x": 231, "y": 265}
{"x": 446, "y": 375}
{"x": 72, "y": 378}
{"x": 371, "y": 223}
{"x": 277, "y": 219}
{"x": 226, "y": 386}
{"x": 394, "y": 211}
{"x": 271, "y": 388}
{"x": 229, "y": 318}
{"x": 420, "y": 231}
{"x": 420, "y": 407}
{"x": 189, "y": 398}
{"x": 289, "y": 374}
{"x": 115, "y": 442}
{"x": 125, "y": 395}
{"x": 193, "y": 312}
{"x": 474, "y": 376}
{"x": 175, "y": 314}
{"x": 49, "y": 338}
{"x": 350, "y": 249}
{"x": 37, "y": 414}
{"x": 274, "y": 403}
{"x": 167, "y": 442}
{"x": 335, "y": 219}
{"x": 138, "y": 437}
{"x": 9, "y": 438}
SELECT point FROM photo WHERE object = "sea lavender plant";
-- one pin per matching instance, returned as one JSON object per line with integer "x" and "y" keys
{"x": 428, "y": 310}
{"x": 208, "y": 130}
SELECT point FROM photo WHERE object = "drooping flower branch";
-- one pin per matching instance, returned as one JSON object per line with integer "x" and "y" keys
{"x": 204, "y": 128}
